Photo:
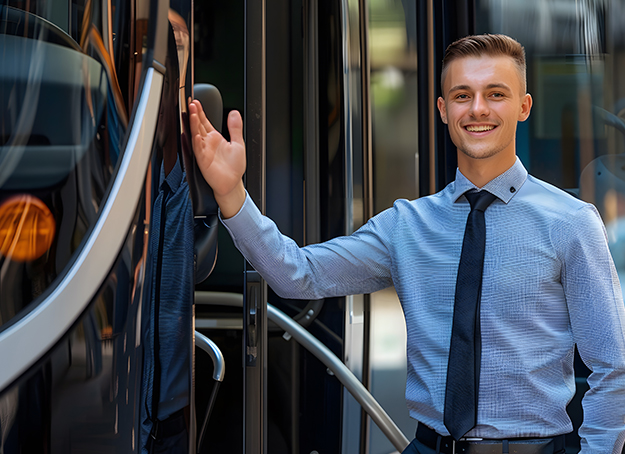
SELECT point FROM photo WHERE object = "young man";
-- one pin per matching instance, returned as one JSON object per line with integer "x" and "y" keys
{"x": 548, "y": 279}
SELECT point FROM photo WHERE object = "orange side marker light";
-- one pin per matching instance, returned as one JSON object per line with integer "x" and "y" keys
{"x": 27, "y": 228}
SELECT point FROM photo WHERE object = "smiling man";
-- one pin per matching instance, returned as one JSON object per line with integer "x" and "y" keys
{"x": 494, "y": 310}
{"x": 484, "y": 98}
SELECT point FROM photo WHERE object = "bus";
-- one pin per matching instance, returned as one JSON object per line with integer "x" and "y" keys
{"x": 122, "y": 300}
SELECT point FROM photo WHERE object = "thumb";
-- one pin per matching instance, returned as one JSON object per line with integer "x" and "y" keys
{"x": 235, "y": 126}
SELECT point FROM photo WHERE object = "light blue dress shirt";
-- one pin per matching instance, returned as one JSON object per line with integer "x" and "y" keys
{"x": 549, "y": 283}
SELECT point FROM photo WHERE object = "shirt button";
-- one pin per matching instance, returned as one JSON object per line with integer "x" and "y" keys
{"x": 512, "y": 189}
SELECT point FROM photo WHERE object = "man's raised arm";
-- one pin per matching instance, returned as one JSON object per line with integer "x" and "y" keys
{"x": 222, "y": 163}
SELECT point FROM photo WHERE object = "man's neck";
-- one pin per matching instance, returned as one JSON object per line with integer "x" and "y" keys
{"x": 481, "y": 171}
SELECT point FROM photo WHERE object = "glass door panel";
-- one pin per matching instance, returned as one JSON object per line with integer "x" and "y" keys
{"x": 575, "y": 135}
{"x": 394, "y": 114}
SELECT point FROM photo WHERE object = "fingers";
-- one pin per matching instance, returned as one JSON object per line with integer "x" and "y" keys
{"x": 198, "y": 121}
{"x": 198, "y": 145}
{"x": 202, "y": 128}
{"x": 203, "y": 119}
{"x": 235, "y": 126}
{"x": 205, "y": 148}
{"x": 194, "y": 121}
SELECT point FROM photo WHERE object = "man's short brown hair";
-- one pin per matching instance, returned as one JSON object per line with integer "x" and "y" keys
{"x": 490, "y": 45}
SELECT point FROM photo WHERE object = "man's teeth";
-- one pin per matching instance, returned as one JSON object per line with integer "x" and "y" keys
{"x": 480, "y": 128}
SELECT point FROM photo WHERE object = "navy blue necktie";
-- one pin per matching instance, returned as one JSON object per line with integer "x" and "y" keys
{"x": 463, "y": 370}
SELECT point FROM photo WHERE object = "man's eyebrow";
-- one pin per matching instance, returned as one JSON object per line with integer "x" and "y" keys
{"x": 459, "y": 87}
{"x": 499, "y": 85}
{"x": 488, "y": 87}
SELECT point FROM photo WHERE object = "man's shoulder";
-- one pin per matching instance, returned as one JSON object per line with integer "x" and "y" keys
{"x": 546, "y": 209}
{"x": 425, "y": 208}
{"x": 439, "y": 197}
{"x": 557, "y": 207}
{"x": 542, "y": 193}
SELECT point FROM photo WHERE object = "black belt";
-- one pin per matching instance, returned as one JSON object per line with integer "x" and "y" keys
{"x": 447, "y": 445}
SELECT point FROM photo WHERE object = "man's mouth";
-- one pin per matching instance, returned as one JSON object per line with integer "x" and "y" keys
{"x": 481, "y": 128}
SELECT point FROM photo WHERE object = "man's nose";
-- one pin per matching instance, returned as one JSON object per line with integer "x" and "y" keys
{"x": 479, "y": 107}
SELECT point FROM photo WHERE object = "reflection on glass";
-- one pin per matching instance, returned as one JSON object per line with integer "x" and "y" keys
{"x": 167, "y": 361}
{"x": 63, "y": 118}
{"x": 392, "y": 38}
{"x": 575, "y": 135}
{"x": 65, "y": 93}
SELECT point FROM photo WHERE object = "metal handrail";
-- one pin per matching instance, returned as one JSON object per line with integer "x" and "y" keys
{"x": 345, "y": 376}
{"x": 219, "y": 366}
{"x": 219, "y": 370}
{"x": 326, "y": 356}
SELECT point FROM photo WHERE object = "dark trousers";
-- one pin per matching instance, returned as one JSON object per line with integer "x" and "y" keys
{"x": 415, "y": 447}
{"x": 172, "y": 436}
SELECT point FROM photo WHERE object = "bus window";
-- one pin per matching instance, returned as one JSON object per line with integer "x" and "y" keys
{"x": 79, "y": 171}
{"x": 64, "y": 97}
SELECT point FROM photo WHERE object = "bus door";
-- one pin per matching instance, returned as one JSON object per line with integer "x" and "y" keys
{"x": 284, "y": 70}
{"x": 242, "y": 426}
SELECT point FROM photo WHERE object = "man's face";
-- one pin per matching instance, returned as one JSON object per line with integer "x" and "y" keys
{"x": 483, "y": 101}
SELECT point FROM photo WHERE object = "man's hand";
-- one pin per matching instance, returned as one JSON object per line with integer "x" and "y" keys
{"x": 222, "y": 163}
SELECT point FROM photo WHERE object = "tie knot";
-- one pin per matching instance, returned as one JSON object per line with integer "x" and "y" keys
{"x": 479, "y": 200}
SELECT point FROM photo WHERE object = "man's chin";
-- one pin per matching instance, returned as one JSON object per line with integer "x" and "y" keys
{"x": 479, "y": 154}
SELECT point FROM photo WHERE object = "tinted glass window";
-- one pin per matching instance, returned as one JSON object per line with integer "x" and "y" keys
{"x": 66, "y": 84}
{"x": 394, "y": 120}
{"x": 575, "y": 135}
{"x": 393, "y": 53}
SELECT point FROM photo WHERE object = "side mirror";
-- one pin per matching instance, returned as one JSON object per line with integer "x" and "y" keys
{"x": 205, "y": 209}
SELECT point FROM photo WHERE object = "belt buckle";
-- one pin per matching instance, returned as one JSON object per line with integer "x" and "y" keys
{"x": 467, "y": 439}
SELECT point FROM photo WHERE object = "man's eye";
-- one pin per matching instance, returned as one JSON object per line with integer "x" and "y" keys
{"x": 462, "y": 96}
{"x": 497, "y": 95}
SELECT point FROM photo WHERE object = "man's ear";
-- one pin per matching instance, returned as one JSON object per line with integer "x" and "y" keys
{"x": 442, "y": 108}
{"x": 526, "y": 107}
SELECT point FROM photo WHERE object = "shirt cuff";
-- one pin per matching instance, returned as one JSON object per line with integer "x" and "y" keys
{"x": 242, "y": 224}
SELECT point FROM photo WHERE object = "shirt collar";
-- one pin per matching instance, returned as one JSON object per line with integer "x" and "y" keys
{"x": 174, "y": 178}
{"x": 505, "y": 186}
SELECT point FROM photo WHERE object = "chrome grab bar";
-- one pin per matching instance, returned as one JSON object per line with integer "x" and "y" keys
{"x": 213, "y": 351}
{"x": 219, "y": 370}
{"x": 326, "y": 356}
{"x": 342, "y": 372}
